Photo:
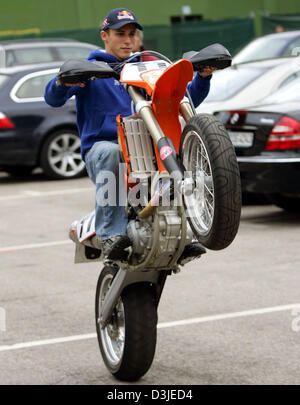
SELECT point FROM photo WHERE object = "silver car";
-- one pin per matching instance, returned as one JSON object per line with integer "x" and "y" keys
{"x": 244, "y": 85}
{"x": 32, "y": 51}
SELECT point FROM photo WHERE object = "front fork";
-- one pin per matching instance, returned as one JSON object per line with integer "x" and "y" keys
{"x": 121, "y": 280}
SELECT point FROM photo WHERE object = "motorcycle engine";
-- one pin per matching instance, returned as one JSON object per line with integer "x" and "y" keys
{"x": 140, "y": 234}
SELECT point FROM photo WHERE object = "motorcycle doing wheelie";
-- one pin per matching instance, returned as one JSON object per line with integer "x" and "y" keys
{"x": 183, "y": 189}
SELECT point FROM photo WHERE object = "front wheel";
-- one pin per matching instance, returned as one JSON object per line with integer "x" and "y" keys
{"x": 127, "y": 343}
{"x": 213, "y": 206}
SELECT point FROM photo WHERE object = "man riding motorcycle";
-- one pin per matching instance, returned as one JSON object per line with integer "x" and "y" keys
{"x": 98, "y": 102}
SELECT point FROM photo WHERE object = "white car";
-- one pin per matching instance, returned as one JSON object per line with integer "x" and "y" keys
{"x": 246, "y": 84}
{"x": 276, "y": 45}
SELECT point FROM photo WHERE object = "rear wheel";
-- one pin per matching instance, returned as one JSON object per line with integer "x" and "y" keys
{"x": 60, "y": 155}
{"x": 213, "y": 206}
{"x": 127, "y": 343}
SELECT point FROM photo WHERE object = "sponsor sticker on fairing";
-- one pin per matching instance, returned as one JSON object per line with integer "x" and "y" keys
{"x": 165, "y": 152}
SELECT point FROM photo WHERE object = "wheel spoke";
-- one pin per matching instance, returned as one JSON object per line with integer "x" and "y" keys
{"x": 201, "y": 203}
{"x": 209, "y": 190}
{"x": 77, "y": 156}
{"x": 75, "y": 146}
{"x": 208, "y": 209}
{"x": 64, "y": 165}
{"x": 72, "y": 163}
{"x": 65, "y": 141}
{"x": 56, "y": 147}
{"x": 55, "y": 159}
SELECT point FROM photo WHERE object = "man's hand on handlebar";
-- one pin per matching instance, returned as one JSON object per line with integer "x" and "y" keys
{"x": 207, "y": 71}
{"x": 60, "y": 83}
{"x": 74, "y": 84}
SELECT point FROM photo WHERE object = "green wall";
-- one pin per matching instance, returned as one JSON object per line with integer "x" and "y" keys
{"x": 72, "y": 14}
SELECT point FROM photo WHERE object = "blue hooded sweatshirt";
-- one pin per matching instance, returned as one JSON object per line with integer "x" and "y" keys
{"x": 100, "y": 101}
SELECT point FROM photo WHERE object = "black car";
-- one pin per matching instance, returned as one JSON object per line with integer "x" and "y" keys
{"x": 33, "y": 134}
{"x": 267, "y": 143}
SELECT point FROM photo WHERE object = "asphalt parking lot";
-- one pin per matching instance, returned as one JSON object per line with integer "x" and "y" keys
{"x": 231, "y": 317}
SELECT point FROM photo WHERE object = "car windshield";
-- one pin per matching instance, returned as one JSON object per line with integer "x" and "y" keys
{"x": 288, "y": 93}
{"x": 75, "y": 52}
{"x": 226, "y": 83}
{"x": 261, "y": 48}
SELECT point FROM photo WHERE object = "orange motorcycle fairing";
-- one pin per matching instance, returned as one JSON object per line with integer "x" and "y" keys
{"x": 122, "y": 142}
{"x": 124, "y": 151}
{"x": 169, "y": 90}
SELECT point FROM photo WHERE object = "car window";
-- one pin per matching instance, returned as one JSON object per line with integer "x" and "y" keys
{"x": 34, "y": 87}
{"x": 27, "y": 56}
{"x": 68, "y": 52}
{"x": 10, "y": 59}
{"x": 226, "y": 83}
{"x": 290, "y": 92}
{"x": 293, "y": 49}
{"x": 3, "y": 79}
{"x": 261, "y": 48}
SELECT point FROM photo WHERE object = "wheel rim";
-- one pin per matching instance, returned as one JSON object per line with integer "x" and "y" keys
{"x": 113, "y": 335}
{"x": 64, "y": 155}
{"x": 200, "y": 201}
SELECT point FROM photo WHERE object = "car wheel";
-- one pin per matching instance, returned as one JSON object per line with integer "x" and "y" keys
{"x": 60, "y": 155}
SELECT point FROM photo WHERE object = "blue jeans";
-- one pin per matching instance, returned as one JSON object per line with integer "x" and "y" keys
{"x": 102, "y": 164}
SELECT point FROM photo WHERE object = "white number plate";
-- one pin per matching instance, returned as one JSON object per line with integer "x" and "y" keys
{"x": 241, "y": 139}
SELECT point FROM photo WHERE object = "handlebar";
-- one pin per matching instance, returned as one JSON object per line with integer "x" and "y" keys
{"x": 75, "y": 71}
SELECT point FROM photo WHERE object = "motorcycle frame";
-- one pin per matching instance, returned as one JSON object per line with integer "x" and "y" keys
{"x": 150, "y": 115}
